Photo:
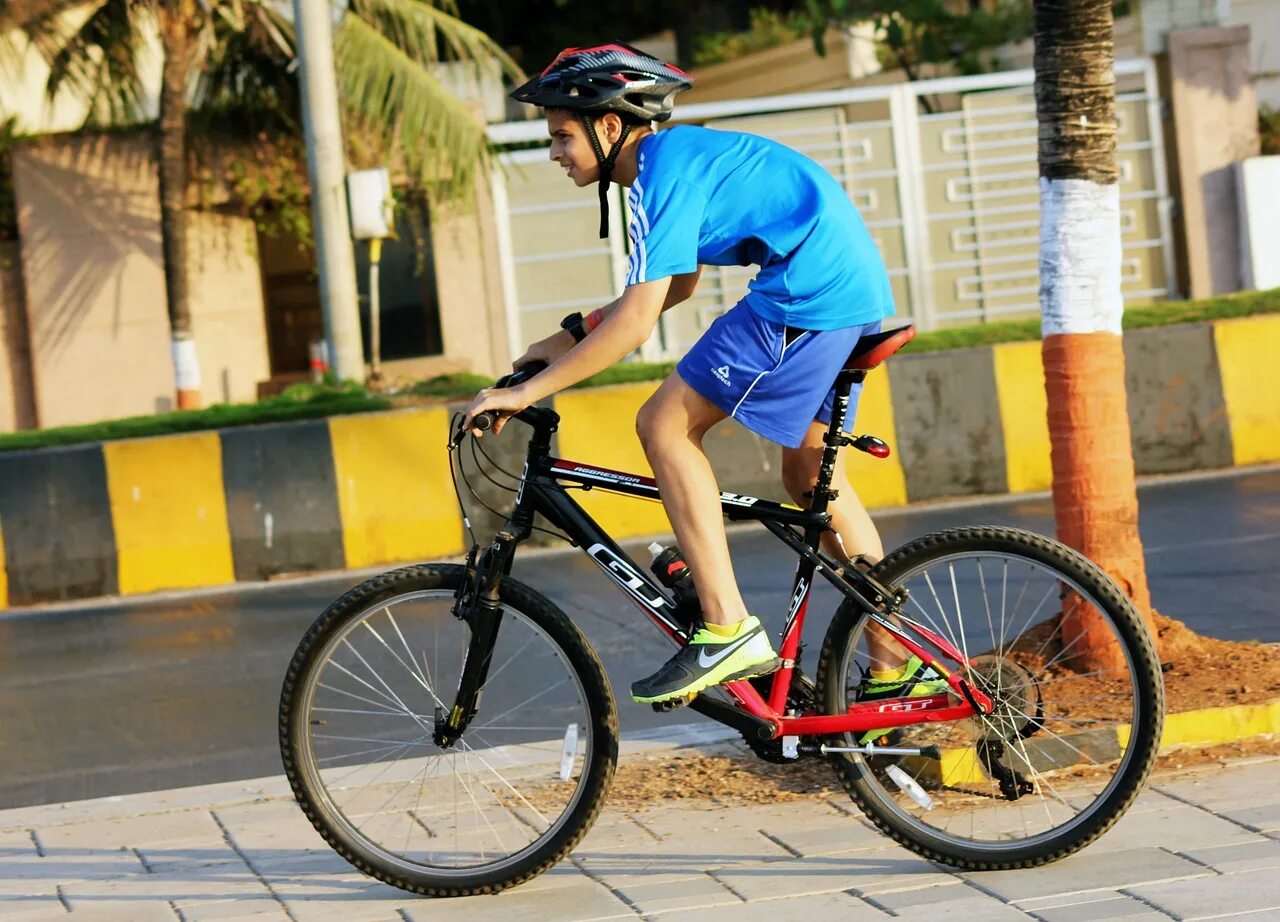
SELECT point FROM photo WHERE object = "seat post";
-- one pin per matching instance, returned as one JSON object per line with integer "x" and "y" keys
{"x": 834, "y": 438}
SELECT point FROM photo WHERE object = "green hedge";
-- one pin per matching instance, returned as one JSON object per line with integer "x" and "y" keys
{"x": 307, "y": 401}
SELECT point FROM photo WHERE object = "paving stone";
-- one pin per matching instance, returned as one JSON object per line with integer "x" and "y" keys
{"x": 32, "y": 908}
{"x": 836, "y": 906}
{"x": 189, "y": 827}
{"x": 16, "y": 843}
{"x": 272, "y": 831}
{"x": 1115, "y": 908}
{"x": 1088, "y": 870}
{"x": 1263, "y": 817}
{"x": 156, "y": 910}
{"x": 922, "y": 896}
{"x": 201, "y": 861}
{"x": 349, "y": 900}
{"x": 1156, "y": 827}
{"x": 721, "y": 847}
{"x": 683, "y": 893}
{"x": 824, "y": 836}
{"x": 1220, "y": 791}
{"x": 161, "y": 886}
{"x": 73, "y": 865}
{"x": 263, "y": 909}
{"x": 969, "y": 907}
{"x": 826, "y": 873}
{"x": 1254, "y": 856}
{"x": 575, "y": 903}
{"x": 1246, "y": 892}
{"x": 612, "y": 832}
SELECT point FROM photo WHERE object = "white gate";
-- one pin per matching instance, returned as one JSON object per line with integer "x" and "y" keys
{"x": 951, "y": 197}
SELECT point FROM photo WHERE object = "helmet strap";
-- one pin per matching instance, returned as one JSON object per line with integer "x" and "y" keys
{"x": 606, "y": 165}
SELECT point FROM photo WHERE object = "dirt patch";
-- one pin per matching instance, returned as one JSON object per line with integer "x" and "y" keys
{"x": 1203, "y": 672}
{"x": 737, "y": 778}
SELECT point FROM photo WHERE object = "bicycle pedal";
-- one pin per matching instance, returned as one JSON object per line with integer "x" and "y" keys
{"x": 674, "y": 704}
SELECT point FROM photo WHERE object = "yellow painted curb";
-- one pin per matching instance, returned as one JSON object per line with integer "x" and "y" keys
{"x": 1205, "y": 727}
{"x": 878, "y": 481}
{"x": 1250, "y": 379}
{"x": 1019, "y": 372}
{"x": 169, "y": 512}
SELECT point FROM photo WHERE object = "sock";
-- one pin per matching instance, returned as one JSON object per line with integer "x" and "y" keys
{"x": 912, "y": 664}
{"x": 889, "y": 675}
{"x": 725, "y": 630}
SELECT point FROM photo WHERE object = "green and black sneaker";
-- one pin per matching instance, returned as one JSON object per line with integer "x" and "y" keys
{"x": 915, "y": 680}
{"x": 709, "y": 659}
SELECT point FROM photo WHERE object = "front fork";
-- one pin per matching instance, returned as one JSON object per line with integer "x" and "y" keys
{"x": 476, "y": 602}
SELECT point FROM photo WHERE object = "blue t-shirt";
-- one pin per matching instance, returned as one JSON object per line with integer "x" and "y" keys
{"x": 723, "y": 198}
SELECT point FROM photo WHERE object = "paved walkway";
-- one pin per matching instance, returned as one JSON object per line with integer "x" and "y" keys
{"x": 1199, "y": 844}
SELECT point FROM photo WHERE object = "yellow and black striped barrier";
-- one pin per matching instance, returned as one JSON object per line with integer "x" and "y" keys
{"x": 212, "y": 508}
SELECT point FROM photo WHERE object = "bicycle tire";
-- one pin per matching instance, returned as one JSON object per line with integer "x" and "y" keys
{"x": 867, "y": 784}
{"x": 437, "y": 582}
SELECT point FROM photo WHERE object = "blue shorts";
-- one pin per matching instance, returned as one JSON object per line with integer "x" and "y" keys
{"x": 773, "y": 379}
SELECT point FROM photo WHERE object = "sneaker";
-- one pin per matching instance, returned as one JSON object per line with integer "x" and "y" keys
{"x": 917, "y": 681}
{"x": 709, "y": 659}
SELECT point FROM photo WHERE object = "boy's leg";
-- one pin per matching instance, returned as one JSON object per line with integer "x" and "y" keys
{"x": 849, "y": 520}
{"x": 733, "y": 645}
{"x": 671, "y": 425}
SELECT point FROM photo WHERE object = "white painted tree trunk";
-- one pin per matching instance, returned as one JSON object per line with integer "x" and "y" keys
{"x": 1079, "y": 257}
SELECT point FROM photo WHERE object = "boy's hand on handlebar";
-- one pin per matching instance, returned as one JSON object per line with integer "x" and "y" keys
{"x": 503, "y": 402}
{"x": 546, "y": 350}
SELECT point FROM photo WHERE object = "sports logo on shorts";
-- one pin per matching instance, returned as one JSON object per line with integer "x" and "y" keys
{"x": 723, "y": 374}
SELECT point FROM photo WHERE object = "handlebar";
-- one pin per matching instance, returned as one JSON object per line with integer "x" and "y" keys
{"x": 484, "y": 421}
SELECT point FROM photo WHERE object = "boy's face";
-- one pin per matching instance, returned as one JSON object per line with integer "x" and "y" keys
{"x": 571, "y": 148}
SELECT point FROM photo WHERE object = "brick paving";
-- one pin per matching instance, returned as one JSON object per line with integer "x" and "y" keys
{"x": 1198, "y": 844}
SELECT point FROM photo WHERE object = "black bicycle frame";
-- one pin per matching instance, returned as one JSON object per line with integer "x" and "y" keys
{"x": 543, "y": 491}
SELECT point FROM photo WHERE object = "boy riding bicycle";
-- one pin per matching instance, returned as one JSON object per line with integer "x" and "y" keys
{"x": 704, "y": 197}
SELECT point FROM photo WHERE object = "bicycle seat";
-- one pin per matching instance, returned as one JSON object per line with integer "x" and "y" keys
{"x": 874, "y": 349}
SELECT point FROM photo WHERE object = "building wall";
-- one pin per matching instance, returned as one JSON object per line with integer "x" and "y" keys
{"x": 227, "y": 312}
{"x": 89, "y": 230}
{"x": 88, "y": 221}
{"x": 207, "y": 508}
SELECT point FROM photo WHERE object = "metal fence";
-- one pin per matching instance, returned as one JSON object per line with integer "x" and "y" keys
{"x": 943, "y": 172}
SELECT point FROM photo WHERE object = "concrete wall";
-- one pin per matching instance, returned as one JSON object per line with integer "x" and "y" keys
{"x": 209, "y": 508}
{"x": 227, "y": 310}
{"x": 1215, "y": 115}
{"x": 88, "y": 220}
{"x": 89, "y": 228}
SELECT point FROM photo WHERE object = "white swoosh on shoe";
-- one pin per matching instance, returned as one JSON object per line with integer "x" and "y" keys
{"x": 706, "y": 662}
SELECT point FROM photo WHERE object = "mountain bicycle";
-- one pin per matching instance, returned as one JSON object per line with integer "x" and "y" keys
{"x": 448, "y": 730}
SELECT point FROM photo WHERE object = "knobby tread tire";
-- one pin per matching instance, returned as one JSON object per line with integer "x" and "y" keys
{"x": 578, "y": 653}
{"x": 1144, "y": 740}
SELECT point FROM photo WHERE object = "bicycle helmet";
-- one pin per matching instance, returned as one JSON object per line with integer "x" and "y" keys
{"x": 612, "y": 77}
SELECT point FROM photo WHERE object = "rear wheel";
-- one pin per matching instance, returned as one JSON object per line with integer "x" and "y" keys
{"x": 1072, "y": 738}
{"x": 506, "y": 801}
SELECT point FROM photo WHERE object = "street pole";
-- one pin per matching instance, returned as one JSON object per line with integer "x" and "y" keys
{"x": 335, "y": 257}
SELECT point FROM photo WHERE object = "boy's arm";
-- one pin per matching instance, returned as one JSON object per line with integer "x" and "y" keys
{"x": 623, "y": 330}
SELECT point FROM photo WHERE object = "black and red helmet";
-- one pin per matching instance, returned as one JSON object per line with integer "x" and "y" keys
{"x": 612, "y": 77}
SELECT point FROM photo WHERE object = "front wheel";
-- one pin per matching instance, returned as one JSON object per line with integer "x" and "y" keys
{"x": 1077, "y": 690}
{"x": 361, "y": 701}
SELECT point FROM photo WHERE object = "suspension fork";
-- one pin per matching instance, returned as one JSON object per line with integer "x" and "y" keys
{"x": 480, "y": 605}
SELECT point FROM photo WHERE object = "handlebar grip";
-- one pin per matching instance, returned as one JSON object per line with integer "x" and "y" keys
{"x": 484, "y": 421}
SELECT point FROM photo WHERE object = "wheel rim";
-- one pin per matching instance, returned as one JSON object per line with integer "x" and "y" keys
{"x": 1074, "y": 756}
{"x": 372, "y": 769}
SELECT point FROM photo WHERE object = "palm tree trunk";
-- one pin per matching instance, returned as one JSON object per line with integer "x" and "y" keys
{"x": 176, "y": 27}
{"x": 1094, "y": 490}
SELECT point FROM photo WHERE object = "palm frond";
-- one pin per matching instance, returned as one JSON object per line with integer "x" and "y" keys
{"x": 411, "y": 115}
{"x": 429, "y": 32}
{"x": 98, "y": 59}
